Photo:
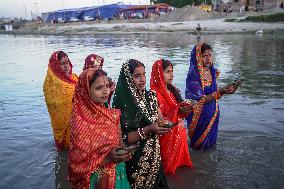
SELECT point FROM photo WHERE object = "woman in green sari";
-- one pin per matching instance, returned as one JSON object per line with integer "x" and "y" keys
{"x": 139, "y": 125}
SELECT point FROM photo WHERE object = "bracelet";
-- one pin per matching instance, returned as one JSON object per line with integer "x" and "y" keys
{"x": 141, "y": 133}
{"x": 216, "y": 95}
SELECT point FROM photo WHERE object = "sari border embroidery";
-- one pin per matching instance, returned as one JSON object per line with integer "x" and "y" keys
{"x": 147, "y": 169}
{"x": 146, "y": 175}
{"x": 196, "y": 114}
{"x": 199, "y": 63}
{"x": 207, "y": 130}
{"x": 140, "y": 98}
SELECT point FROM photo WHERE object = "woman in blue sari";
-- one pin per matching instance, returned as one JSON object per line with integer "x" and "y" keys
{"x": 201, "y": 85}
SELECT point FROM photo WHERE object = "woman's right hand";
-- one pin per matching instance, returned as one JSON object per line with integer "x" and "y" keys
{"x": 115, "y": 156}
{"x": 154, "y": 128}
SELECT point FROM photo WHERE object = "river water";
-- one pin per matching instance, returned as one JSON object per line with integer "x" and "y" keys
{"x": 250, "y": 146}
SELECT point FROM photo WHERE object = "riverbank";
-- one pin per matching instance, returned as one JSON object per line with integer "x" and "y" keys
{"x": 183, "y": 19}
{"x": 89, "y": 28}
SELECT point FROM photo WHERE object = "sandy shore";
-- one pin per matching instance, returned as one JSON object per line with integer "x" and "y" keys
{"x": 89, "y": 28}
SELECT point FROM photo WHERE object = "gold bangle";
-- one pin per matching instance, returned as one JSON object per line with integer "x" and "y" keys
{"x": 216, "y": 95}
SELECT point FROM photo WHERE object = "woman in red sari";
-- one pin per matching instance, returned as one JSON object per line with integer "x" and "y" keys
{"x": 95, "y": 136}
{"x": 174, "y": 146}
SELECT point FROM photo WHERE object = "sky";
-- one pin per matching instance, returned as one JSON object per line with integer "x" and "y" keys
{"x": 22, "y": 8}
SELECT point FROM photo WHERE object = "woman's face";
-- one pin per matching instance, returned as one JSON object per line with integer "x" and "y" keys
{"x": 65, "y": 65}
{"x": 207, "y": 58}
{"x": 97, "y": 66}
{"x": 139, "y": 78}
{"x": 100, "y": 90}
{"x": 168, "y": 75}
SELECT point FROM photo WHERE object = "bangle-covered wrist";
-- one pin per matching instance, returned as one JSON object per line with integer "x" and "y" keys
{"x": 216, "y": 95}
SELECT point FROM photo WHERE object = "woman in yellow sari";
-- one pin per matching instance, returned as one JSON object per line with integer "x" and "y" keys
{"x": 58, "y": 88}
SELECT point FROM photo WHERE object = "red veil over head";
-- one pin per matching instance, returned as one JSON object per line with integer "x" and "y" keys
{"x": 54, "y": 65}
{"x": 167, "y": 102}
{"x": 174, "y": 147}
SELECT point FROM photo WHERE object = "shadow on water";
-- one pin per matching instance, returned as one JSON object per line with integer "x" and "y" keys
{"x": 249, "y": 151}
{"x": 61, "y": 171}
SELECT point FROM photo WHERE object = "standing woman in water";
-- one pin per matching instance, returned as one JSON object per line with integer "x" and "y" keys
{"x": 58, "y": 88}
{"x": 201, "y": 85}
{"x": 174, "y": 146}
{"x": 139, "y": 124}
{"x": 94, "y": 161}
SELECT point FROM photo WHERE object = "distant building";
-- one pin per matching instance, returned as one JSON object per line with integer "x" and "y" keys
{"x": 254, "y": 5}
{"x": 143, "y": 11}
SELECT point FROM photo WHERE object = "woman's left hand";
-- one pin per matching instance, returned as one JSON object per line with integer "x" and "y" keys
{"x": 229, "y": 89}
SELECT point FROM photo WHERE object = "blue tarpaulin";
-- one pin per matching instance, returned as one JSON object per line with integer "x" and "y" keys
{"x": 90, "y": 12}
{"x": 97, "y": 12}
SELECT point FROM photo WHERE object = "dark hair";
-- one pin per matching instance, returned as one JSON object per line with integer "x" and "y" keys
{"x": 61, "y": 54}
{"x": 205, "y": 47}
{"x": 134, "y": 64}
{"x": 97, "y": 73}
{"x": 175, "y": 91}
{"x": 166, "y": 63}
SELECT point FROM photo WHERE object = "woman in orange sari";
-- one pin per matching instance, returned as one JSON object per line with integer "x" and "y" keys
{"x": 174, "y": 146}
{"x": 58, "y": 88}
{"x": 95, "y": 136}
